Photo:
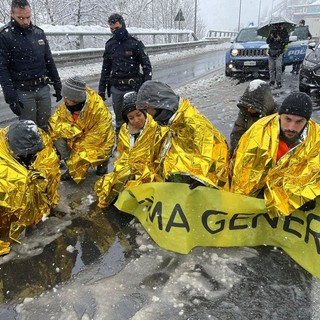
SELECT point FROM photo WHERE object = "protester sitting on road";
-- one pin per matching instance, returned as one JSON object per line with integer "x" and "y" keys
{"x": 30, "y": 176}
{"x": 277, "y": 39}
{"x": 82, "y": 130}
{"x": 278, "y": 157}
{"x": 194, "y": 151}
{"x": 135, "y": 163}
{"x": 256, "y": 102}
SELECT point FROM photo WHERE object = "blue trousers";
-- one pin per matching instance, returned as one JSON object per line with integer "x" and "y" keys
{"x": 37, "y": 106}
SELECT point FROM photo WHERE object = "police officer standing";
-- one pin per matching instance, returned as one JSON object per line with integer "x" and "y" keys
{"x": 27, "y": 67}
{"x": 123, "y": 56}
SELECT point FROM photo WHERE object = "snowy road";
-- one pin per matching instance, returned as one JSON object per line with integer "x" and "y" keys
{"x": 84, "y": 263}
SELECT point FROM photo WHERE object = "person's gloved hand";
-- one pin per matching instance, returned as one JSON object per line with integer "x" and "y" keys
{"x": 16, "y": 107}
{"x": 310, "y": 205}
{"x": 194, "y": 184}
{"x": 102, "y": 95}
{"x": 58, "y": 96}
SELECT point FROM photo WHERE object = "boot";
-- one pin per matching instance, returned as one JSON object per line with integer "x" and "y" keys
{"x": 102, "y": 168}
{"x": 65, "y": 176}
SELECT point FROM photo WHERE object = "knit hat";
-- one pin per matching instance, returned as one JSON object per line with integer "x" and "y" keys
{"x": 258, "y": 96}
{"x": 74, "y": 89}
{"x": 129, "y": 104}
{"x": 297, "y": 103}
{"x": 24, "y": 138}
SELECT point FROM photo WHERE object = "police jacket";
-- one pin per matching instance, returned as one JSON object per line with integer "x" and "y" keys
{"x": 25, "y": 56}
{"x": 28, "y": 193}
{"x": 122, "y": 61}
{"x": 289, "y": 182}
{"x": 90, "y": 137}
{"x": 277, "y": 45}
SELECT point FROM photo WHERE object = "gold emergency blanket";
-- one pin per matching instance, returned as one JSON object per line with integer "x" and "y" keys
{"x": 134, "y": 165}
{"x": 290, "y": 182}
{"x": 90, "y": 138}
{"x": 195, "y": 147}
{"x": 179, "y": 219}
{"x": 26, "y": 196}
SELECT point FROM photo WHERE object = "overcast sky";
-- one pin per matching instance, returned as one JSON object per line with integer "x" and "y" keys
{"x": 224, "y": 15}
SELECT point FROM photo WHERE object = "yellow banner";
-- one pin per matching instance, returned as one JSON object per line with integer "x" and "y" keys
{"x": 179, "y": 219}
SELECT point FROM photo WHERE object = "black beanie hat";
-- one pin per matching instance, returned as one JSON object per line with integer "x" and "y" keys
{"x": 129, "y": 104}
{"x": 297, "y": 103}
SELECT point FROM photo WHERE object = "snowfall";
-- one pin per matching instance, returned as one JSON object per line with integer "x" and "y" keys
{"x": 136, "y": 279}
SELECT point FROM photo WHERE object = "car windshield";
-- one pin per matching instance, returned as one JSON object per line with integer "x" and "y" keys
{"x": 250, "y": 34}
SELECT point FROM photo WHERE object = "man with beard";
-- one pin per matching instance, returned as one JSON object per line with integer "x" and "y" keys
{"x": 82, "y": 130}
{"x": 278, "y": 158}
{"x": 27, "y": 67}
{"x": 122, "y": 59}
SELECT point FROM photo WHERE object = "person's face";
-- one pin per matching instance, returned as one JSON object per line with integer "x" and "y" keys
{"x": 22, "y": 16}
{"x": 137, "y": 119}
{"x": 292, "y": 125}
{"x": 69, "y": 102}
{"x": 115, "y": 26}
{"x": 251, "y": 110}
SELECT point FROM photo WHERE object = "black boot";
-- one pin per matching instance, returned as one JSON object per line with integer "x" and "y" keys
{"x": 65, "y": 176}
{"x": 102, "y": 168}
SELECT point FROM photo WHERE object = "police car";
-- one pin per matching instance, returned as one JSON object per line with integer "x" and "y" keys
{"x": 248, "y": 54}
{"x": 309, "y": 76}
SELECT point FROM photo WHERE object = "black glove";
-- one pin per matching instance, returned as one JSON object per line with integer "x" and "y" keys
{"x": 194, "y": 184}
{"x": 310, "y": 205}
{"x": 58, "y": 96}
{"x": 16, "y": 107}
{"x": 102, "y": 95}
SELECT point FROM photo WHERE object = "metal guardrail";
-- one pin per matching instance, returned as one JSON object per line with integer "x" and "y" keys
{"x": 156, "y": 37}
{"x": 76, "y": 56}
{"x": 221, "y": 34}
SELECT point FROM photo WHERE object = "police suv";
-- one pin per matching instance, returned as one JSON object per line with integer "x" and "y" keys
{"x": 248, "y": 54}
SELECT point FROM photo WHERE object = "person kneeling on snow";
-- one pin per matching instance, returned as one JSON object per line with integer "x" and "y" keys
{"x": 136, "y": 150}
{"x": 193, "y": 150}
{"x": 30, "y": 175}
{"x": 82, "y": 130}
{"x": 278, "y": 157}
{"x": 256, "y": 102}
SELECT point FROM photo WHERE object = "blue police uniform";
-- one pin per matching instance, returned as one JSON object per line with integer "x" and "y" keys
{"x": 26, "y": 69}
{"x": 121, "y": 70}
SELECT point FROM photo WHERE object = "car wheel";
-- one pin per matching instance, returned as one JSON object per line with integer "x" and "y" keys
{"x": 303, "y": 88}
{"x": 283, "y": 68}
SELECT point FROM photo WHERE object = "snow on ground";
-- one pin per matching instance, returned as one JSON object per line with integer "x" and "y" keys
{"x": 93, "y": 69}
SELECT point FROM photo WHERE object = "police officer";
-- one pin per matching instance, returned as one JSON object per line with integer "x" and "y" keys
{"x": 27, "y": 67}
{"x": 303, "y": 33}
{"x": 277, "y": 39}
{"x": 122, "y": 59}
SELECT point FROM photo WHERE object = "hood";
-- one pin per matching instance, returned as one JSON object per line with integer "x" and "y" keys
{"x": 24, "y": 138}
{"x": 259, "y": 97}
{"x": 157, "y": 95}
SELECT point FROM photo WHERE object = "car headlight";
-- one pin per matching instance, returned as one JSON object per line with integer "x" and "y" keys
{"x": 234, "y": 52}
{"x": 308, "y": 64}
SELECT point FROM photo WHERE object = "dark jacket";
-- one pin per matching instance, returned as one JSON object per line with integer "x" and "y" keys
{"x": 276, "y": 47}
{"x": 121, "y": 61}
{"x": 257, "y": 96}
{"x": 25, "y": 55}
